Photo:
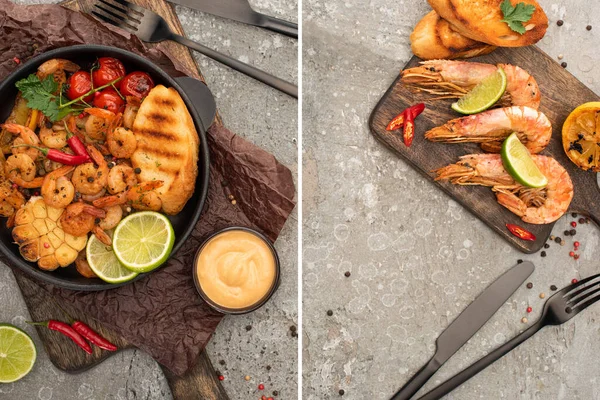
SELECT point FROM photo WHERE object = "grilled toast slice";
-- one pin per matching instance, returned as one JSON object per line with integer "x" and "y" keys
{"x": 167, "y": 148}
{"x": 481, "y": 20}
{"x": 434, "y": 38}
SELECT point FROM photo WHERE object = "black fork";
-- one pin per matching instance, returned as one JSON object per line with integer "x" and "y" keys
{"x": 151, "y": 27}
{"x": 559, "y": 308}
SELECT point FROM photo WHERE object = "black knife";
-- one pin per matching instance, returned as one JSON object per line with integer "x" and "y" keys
{"x": 240, "y": 10}
{"x": 467, "y": 324}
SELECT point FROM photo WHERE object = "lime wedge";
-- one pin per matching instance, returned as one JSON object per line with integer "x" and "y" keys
{"x": 143, "y": 241}
{"x": 17, "y": 353}
{"x": 484, "y": 95}
{"x": 104, "y": 262}
{"x": 519, "y": 164}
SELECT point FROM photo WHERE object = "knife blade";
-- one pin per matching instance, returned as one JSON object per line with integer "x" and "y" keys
{"x": 467, "y": 324}
{"x": 241, "y": 11}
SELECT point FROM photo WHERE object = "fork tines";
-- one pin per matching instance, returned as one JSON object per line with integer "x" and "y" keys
{"x": 121, "y": 13}
{"x": 583, "y": 293}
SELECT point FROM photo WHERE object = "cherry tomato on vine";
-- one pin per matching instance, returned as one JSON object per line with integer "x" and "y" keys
{"x": 110, "y": 100}
{"x": 79, "y": 84}
{"x": 108, "y": 70}
{"x": 136, "y": 84}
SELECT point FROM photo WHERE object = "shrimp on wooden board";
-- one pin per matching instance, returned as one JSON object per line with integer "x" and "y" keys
{"x": 90, "y": 178}
{"x": 79, "y": 218}
{"x": 453, "y": 79}
{"x": 20, "y": 169}
{"x": 26, "y": 137}
{"x": 140, "y": 197}
{"x": 57, "y": 190}
{"x": 57, "y": 68}
{"x": 491, "y": 127}
{"x": 533, "y": 205}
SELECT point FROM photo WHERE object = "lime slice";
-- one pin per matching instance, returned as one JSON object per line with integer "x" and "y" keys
{"x": 17, "y": 353}
{"x": 519, "y": 164}
{"x": 143, "y": 241}
{"x": 104, "y": 262}
{"x": 484, "y": 95}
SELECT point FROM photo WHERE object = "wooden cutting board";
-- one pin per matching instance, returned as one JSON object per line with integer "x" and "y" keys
{"x": 200, "y": 383}
{"x": 561, "y": 93}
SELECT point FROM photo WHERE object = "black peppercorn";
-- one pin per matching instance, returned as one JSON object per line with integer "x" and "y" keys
{"x": 137, "y": 170}
{"x": 268, "y": 367}
{"x": 347, "y": 274}
{"x": 49, "y": 124}
{"x": 222, "y": 362}
{"x": 560, "y": 22}
{"x": 546, "y": 245}
{"x": 529, "y": 285}
{"x": 582, "y": 220}
{"x": 329, "y": 312}
{"x": 519, "y": 261}
{"x": 574, "y": 215}
{"x": 572, "y": 232}
{"x": 248, "y": 327}
{"x": 275, "y": 393}
{"x": 543, "y": 254}
{"x": 557, "y": 239}
{"x": 563, "y": 64}
{"x": 567, "y": 233}
{"x": 589, "y": 27}
{"x": 294, "y": 334}
{"x": 553, "y": 287}
{"x": 341, "y": 392}
{"x": 293, "y": 328}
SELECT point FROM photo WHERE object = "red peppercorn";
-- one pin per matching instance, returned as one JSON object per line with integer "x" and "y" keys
{"x": 261, "y": 387}
{"x": 80, "y": 116}
{"x": 221, "y": 378}
{"x": 573, "y": 224}
{"x": 529, "y": 309}
{"x": 576, "y": 244}
{"x": 46, "y": 245}
{"x": 574, "y": 280}
{"x": 17, "y": 60}
{"x": 571, "y": 254}
{"x": 269, "y": 398}
{"x": 576, "y": 256}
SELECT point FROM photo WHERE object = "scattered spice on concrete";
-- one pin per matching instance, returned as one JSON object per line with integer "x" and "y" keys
{"x": 268, "y": 367}
{"x": 562, "y": 242}
{"x": 529, "y": 285}
{"x": 233, "y": 202}
{"x": 573, "y": 224}
{"x": 571, "y": 253}
{"x": 247, "y": 377}
{"x": 546, "y": 246}
{"x": 275, "y": 393}
{"x": 543, "y": 254}
{"x": 524, "y": 320}
{"x": 341, "y": 392}
{"x": 567, "y": 233}
{"x": 563, "y": 64}
{"x": 261, "y": 387}
{"x": 542, "y": 295}
{"x": 560, "y": 22}
{"x": 529, "y": 309}
{"x": 552, "y": 237}
{"x": 248, "y": 327}
{"x": 519, "y": 261}
{"x": 582, "y": 220}
{"x": 589, "y": 27}
{"x": 347, "y": 274}
{"x": 221, "y": 378}
{"x": 557, "y": 239}
{"x": 574, "y": 281}
{"x": 572, "y": 232}
{"x": 293, "y": 328}
{"x": 576, "y": 257}
{"x": 574, "y": 215}
{"x": 222, "y": 362}
{"x": 329, "y": 312}
{"x": 560, "y": 56}
{"x": 553, "y": 288}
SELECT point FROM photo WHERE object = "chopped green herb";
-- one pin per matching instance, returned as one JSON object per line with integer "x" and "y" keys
{"x": 515, "y": 16}
{"x": 40, "y": 96}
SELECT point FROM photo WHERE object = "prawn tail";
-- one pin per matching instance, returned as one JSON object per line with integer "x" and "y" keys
{"x": 511, "y": 202}
{"x": 454, "y": 172}
{"x": 108, "y": 201}
{"x": 94, "y": 211}
{"x": 101, "y": 235}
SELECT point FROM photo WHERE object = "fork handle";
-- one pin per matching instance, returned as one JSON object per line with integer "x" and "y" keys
{"x": 481, "y": 364}
{"x": 280, "y": 26}
{"x": 244, "y": 68}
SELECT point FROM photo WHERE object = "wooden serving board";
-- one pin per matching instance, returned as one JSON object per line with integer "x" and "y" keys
{"x": 561, "y": 93}
{"x": 200, "y": 383}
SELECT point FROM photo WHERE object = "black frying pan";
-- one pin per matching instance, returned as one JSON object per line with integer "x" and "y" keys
{"x": 201, "y": 106}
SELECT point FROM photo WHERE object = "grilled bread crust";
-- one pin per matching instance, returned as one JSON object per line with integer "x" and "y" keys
{"x": 434, "y": 38}
{"x": 481, "y": 20}
{"x": 167, "y": 148}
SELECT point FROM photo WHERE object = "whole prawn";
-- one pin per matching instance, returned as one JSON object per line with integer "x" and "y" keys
{"x": 491, "y": 127}
{"x": 26, "y": 137}
{"x": 57, "y": 190}
{"x": 453, "y": 79}
{"x": 533, "y": 205}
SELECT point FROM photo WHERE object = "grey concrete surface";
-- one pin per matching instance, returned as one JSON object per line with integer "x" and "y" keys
{"x": 416, "y": 257}
{"x": 268, "y": 119}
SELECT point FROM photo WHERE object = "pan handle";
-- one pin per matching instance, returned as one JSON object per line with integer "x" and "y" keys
{"x": 201, "y": 97}
{"x": 280, "y": 26}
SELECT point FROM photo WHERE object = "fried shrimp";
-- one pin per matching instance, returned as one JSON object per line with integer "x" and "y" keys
{"x": 57, "y": 189}
{"x": 491, "y": 127}
{"x": 90, "y": 178}
{"x": 120, "y": 178}
{"x": 79, "y": 218}
{"x": 131, "y": 110}
{"x": 533, "y": 205}
{"x": 140, "y": 197}
{"x": 57, "y": 68}
{"x": 114, "y": 214}
{"x": 453, "y": 79}
{"x": 83, "y": 267}
{"x": 99, "y": 122}
{"x": 10, "y": 199}
{"x": 121, "y": 142}
{"x": 26, "y": 137}
{"x": 20, "y": 169}
{"x": 54, "y": 137}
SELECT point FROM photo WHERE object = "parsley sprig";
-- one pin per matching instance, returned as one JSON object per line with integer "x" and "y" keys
{"x": 515, "y": 16}
{"x": 40, "y": 95}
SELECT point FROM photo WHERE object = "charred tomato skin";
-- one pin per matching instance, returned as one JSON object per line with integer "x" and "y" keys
{"x": 110, "y": 100}
{"x": 136, "y": 84}
{"x": 79, "y": 84}
{"x": 108, "y": 70}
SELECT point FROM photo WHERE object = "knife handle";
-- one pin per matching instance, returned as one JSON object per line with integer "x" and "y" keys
{"x": 259, "y": 75}
{"x": 280, "y": 26}
{"x": 418, "y": 380}
{"x": 481, "y": 364}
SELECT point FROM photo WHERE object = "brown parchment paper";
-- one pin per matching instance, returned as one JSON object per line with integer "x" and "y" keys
{"x": 162, "y": 313}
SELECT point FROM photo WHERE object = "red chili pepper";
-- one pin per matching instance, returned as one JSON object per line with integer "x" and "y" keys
{"x": 398, "y": 121}
{"x": 59, "y": 156}
{"x": 409, "y": 129}
{"x": 91, "y": 335}
{"x": 76, "y": 144}
{"x": 519, "y": 232}
{"x": 66, "y": 330}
